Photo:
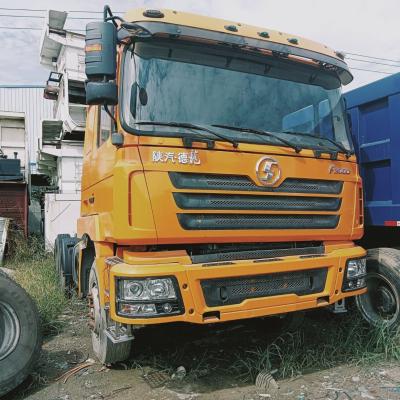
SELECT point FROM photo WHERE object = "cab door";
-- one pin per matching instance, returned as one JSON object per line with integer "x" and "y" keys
{"x": 102, "y": 159}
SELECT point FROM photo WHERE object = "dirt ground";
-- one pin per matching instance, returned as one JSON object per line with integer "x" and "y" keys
{"x": 197, "y": 376}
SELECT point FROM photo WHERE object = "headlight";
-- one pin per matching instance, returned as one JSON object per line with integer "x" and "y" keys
{"x": 356, "y": 268}
{"x": 147, "y": 289}
{"x": 354, "y": 278}
{"x": 148, "y": 297}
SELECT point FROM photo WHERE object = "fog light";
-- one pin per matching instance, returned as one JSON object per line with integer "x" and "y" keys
{"x": 167, "y": 308}
{"x": 137, "y": 310}
{"x": 361, "y": 282}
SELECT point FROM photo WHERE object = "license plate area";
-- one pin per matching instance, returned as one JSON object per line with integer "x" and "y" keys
{"x": 227, "y": 291}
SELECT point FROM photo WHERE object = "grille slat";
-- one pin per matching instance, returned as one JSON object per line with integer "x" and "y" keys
{"x": 187, "y": 180}
{"x": 197, "y": 201}
{"x": 249, "y": 202}
{"x": 219, "y": 292}
{"x": 257, "y": 253}
{"x": 256, "y": 221}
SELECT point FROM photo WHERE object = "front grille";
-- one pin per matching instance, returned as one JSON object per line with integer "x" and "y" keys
{"x": 199, "y": 201}
{"x": 262, "y": 251}
{"x": 186, "y": 180}
{"x": 299, "y": 206}
{"x": 219, "y": 292}
{"x": 256, "y": 221}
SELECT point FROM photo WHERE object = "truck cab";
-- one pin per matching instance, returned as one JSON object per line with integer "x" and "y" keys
{"x": 219, "y": 178}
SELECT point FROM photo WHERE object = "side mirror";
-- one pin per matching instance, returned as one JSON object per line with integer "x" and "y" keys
{"x": 133, "y": 99}
{"x": 101, "y": 51}
{"x": 104, "y": 93}
{"x": 117, "y": 139}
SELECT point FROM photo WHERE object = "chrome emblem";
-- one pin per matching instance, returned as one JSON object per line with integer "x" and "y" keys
{"x": 268, "y": 171}
{"x": 171, "y": 157}
{"x": 333, "y": 169}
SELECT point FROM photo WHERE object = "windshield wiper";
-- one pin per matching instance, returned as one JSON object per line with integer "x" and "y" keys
{"x": 347, "y": 153}
{"x": 294, "y": 146}
{"x": 190, "y": 126}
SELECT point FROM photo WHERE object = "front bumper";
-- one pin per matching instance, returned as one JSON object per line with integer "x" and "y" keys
{"x": 189, "y": 278}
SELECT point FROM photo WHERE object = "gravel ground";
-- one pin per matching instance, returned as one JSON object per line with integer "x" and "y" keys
{"x": 198, "y": 379}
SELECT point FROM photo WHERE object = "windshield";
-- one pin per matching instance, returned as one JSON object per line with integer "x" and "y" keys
{"x": 165, "y": 82}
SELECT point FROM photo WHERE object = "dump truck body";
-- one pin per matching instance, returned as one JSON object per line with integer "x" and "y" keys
{"x": 374, "y": 111}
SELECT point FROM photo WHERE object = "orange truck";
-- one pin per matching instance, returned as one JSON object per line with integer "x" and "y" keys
{"x": 219, "y": 178}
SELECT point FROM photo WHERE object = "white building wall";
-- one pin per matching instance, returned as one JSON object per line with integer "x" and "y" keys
{"x": 60, "y": 214}
{"x": 70, "y": 174}
{"x": 29, "y": 100}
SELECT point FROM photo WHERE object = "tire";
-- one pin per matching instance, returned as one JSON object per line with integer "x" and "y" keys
{"x": 19, "y": 350}
{"x": 105, "y": 350}
{"x": 380, "y": 306}
{"x": 64, "y": 260}
{"x": 58, "y": 259}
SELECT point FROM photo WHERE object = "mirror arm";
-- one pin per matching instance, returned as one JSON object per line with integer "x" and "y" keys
{"x": 107, "y": 110}
{"x": 113, "y": 19}
{"x": 107, "y": 11}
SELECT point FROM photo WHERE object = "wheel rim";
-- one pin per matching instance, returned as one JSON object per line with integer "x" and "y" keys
{"x": 380, "y": 305}
{"x": 95, "y": 310}
{"x": 9, "y": 330}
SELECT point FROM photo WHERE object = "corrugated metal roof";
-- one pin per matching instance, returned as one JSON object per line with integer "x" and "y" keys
{"x": 29, "y": 100}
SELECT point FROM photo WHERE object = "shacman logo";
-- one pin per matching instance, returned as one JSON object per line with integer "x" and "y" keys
{"x": 268, "y": 171}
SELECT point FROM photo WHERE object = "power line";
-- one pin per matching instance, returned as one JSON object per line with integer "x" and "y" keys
{"x": 70, "y": 11}
{"x": 375, "y": 58}
{"x": 21, "y": 9}
{"x": 41, "y": 17}
{"x": 22, "y": 16}
{"x": 372, "y": 62}
{"x": 28, "y": 28}
{"x": 31, "y": 28}
{"x": 371, "y": 70}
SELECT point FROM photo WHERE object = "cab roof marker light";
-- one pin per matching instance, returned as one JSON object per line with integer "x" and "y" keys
{"x": 153, "y": 14}
{"x": 231, "y": 28}
{"x": 263, "y": 34}
{"x": 340, "y": 54}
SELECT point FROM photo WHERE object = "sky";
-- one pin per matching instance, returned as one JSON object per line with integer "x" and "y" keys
{"x": 365, "y": 27}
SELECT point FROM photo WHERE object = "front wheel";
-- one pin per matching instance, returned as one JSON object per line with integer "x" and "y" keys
{"x": 380, "y": 306}
{"x": 104, "y": 348}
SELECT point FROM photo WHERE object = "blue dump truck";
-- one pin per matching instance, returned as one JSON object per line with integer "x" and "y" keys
{"x": 374, "y": 119}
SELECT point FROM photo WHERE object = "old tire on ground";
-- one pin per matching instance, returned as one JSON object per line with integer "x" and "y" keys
{"x": 380, "y": 306}
{"x": 105, "y": 350}
{"x": 20, "y": 337}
